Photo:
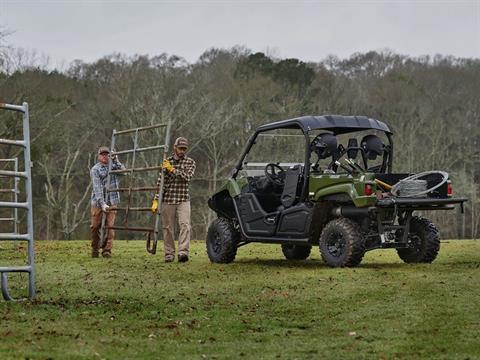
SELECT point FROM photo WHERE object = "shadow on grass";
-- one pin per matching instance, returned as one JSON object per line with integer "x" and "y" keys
{"x": 317, "y": 264}
{"x": 467, "y": 263}
{"x": 378, "y": 265}
{"x": 306, "y": 264}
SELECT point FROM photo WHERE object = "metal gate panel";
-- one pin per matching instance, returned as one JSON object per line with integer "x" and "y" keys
{"x": 15, "y": 204}
{"x": 132, "y": 171}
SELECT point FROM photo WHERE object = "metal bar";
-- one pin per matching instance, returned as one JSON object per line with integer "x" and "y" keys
{"x": 9, "y": 160}
{"x": 19, "y": 108}
{"x": 13, "y": 142}
{"x": 152, "y": 248}
{"x": 15, "y": 199}
{"x": 7, "y": 219}
{"x": 134, "y": 208}
{"x": 387, "y": 202}
{"x": 15, "y": 269}
{"x": 145, "y": 188}
{"x": 136, "y": 169}
{"x": 138, "y": 129}
{"x": 7, "y": 191}
{"x": 5, "y": 173}
{"x": 29, "y": 198}
{"x": 156, "y": 147}
{"x": 12, "y": 236}
{"x": 129, "y": 228}
{"x": 262, "y": 165}
{"x": 129, "y": 195}
{"x": 4, "y": 285}
{"x": 7, "y": 204}
{"x": 437, "y": 207}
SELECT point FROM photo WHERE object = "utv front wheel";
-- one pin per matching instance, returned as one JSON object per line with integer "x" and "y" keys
{"x": 222, "y": 240}
{"x": 296, "y": 252}
{"x": 342, "y": 243}
{"x": 423, "y": 242}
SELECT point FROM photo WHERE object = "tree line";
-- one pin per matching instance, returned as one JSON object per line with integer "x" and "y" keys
{"x": 431, "y": 104}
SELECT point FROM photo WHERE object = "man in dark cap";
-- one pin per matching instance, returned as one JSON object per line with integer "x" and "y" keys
{"x": 178, "y": 170}
{"x": 103, "y": 201}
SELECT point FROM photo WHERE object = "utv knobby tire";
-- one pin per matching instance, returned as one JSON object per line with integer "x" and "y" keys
{"x": 342, "y": 243}
{"x": 222, "y": 240}
{"x": 296, "y": 252}
{"x": 424, "y": 242}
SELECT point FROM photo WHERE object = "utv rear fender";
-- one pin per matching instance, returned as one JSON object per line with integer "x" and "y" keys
{"x": 348, "y": 191}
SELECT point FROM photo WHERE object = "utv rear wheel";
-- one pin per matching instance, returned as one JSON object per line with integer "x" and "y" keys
{"x": 296, "y": 252}
{"x": 342, "y": 243}
{"x": 423, "y": 241}
{"x": 222, "y": 240}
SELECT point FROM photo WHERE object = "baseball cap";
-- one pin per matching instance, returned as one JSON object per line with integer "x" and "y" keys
{"x": 103, "y": 149}
{"x": 181, "y": 142}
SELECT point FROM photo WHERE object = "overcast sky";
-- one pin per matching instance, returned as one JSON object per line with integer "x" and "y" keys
{"x": 308, "y": 30}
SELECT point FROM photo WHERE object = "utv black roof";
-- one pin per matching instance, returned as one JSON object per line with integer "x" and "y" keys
{"x": 338, "y": 124}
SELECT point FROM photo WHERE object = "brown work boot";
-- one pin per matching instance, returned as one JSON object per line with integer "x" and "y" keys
{"x": 182, "y": 258}
{"x": 95, "y": 253}
{"x": 106, "y": 254}
{"x": 169, "y": 259}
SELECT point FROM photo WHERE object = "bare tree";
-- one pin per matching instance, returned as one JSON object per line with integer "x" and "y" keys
{"x": 67, "y": 204}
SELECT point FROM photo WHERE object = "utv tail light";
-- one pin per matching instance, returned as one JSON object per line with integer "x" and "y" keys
{"x": 368, "y": 189}
{"x": 449, "y": 189}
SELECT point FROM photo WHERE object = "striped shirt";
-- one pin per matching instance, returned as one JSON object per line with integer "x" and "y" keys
{"x": 98, "y": 174}
{"x": 176, "y": 186}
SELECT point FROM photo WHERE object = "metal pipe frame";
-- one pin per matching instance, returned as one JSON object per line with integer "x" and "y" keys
{"x": 144, "y": 188}
{"x": 139, "y": 129}
{"x": 132, "y": 171}
{"x": 137, "y": 150}
{"x": 27, "y": 175}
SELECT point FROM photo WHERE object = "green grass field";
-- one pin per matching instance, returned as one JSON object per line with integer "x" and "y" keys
{"x": 259, "y": 307}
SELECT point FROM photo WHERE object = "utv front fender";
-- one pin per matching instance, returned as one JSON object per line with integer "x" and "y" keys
{"x": 222, "y": 201}
{"x": 232, "y": 186}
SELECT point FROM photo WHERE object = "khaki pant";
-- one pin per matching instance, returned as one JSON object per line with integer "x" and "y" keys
{"x": 96, "y": 223}
{"x": 168, "y": 222}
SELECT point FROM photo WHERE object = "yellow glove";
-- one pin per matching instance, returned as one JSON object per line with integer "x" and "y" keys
{"x": 167, "y": 166}
{"x": 154, "y": 205}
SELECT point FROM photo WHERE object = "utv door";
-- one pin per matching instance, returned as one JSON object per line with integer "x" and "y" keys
{"x": 255, "y": 221}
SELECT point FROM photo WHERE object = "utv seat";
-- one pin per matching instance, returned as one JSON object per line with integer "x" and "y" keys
{"x": 290, "y": 191}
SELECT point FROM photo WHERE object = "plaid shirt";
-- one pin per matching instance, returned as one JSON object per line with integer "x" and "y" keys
{"x": 98, "y": 174}
{"x": 176, "y": 186}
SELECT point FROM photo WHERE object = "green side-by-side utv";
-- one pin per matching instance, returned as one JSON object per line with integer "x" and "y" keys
{"x": 327, "y": 181}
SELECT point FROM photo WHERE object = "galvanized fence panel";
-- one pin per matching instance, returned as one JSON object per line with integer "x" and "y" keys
{"x": 25, "y": 174}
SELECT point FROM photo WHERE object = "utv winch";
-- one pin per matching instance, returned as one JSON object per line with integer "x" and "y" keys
{"x": 352, "y": 204}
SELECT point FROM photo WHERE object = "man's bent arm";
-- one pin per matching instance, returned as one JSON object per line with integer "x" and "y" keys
{"x": 97, "y": 186}
{"x": 117, "y": 165}
{"x": 186, "y": 173}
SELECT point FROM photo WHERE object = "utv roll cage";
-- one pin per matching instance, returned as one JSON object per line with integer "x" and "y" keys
{"x": 337, "y": 124}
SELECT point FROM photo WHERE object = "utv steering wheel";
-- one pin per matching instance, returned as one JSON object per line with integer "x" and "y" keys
{"x": 275, "y": 173}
